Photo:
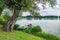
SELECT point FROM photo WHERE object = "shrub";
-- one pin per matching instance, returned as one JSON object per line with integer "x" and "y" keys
{"x": 47, "y": 36}
{"x": 16, "y": 27}
{"x": 29, "y": 30}
{"x": 2, "y": 20}
{"x": 34, "y": 30}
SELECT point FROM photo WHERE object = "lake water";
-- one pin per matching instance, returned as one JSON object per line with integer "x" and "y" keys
{"x": 49, "y": 26}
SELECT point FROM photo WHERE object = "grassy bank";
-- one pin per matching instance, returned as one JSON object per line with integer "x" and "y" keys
{"x": 17, "y": 35}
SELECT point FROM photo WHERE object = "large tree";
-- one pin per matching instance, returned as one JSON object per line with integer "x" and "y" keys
{"x": 18, "y": 6}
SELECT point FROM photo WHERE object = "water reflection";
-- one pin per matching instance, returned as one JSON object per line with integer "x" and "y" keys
{"x": 50, "y": 26}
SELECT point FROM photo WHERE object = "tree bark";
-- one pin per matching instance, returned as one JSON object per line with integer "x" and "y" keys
{"x": 8, "y": 27}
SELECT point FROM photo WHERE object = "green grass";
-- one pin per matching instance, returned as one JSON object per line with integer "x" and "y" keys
{"x": 47, "y": 36}
{"x": 17, "y": 35}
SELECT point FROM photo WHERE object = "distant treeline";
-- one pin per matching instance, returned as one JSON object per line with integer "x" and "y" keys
{"x": 41, "y": 17}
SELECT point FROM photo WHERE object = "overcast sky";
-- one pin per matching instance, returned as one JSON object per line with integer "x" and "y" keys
{"x": 50, "y": 11}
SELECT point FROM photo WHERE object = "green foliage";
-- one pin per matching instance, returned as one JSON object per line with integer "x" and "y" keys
{"x": 0, "y": 12}
{"x": 19, "y": 4}
{"x": 47, "y": 36}
{"x": 2, "y": 20}
{"x": 16, "y": 27}
{"x": 35, "y": 14}
{"x": 1, "y": 6}
{"x": 6, "y": 17}
{"x": 34, "y": 30}
{"x": 29, "y": 30}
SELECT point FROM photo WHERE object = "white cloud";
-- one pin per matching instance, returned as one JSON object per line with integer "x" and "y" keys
{"x": 50, "y": 11}
{"x": 25, "y": 13}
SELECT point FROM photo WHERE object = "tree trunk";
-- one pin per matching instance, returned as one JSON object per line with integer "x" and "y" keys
{"x": 8, "y": 27}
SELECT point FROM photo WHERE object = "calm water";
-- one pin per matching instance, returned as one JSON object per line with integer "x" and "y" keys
{"x": 49, "y": 26}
